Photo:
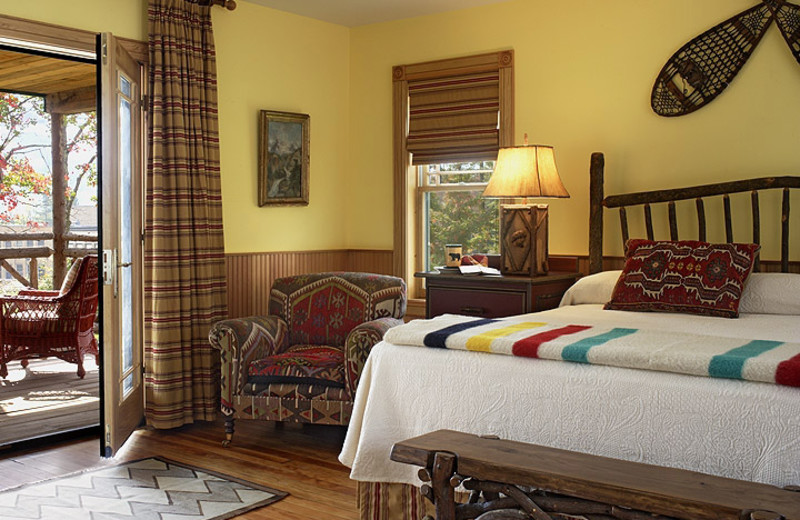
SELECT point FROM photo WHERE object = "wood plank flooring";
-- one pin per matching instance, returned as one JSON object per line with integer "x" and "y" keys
{"x": 47, "y": 397}
{"x": 299, "y": 459}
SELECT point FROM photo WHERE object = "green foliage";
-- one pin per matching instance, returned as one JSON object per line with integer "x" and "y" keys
{"x": 462, "y": 217}
{"x": 18, "y": 179}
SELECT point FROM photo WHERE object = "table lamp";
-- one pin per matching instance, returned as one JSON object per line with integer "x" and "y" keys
{"x": 524, "y": 171}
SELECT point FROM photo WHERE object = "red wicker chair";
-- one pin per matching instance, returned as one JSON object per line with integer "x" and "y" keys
{"x": 39, "y": 324}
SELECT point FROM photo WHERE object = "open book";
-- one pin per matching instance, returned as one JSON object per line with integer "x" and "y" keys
{"x": 477, "y": 269}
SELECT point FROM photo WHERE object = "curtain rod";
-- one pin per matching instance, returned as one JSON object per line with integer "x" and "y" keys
{"x": 230, "y": 5}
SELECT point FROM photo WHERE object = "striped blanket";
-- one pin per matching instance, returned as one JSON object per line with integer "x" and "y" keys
{"x": 733, "y": 358}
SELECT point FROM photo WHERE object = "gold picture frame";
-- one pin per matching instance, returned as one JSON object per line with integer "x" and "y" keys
{"x": 283, "y": 158}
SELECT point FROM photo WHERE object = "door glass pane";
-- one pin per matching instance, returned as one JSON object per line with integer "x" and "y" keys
{"x": 125, "y": 258}
{"x": 127, "y": 384}
{"x": 125, "y": 86}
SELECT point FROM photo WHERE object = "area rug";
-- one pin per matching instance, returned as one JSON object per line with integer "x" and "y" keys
{"x": 148, "y": 489}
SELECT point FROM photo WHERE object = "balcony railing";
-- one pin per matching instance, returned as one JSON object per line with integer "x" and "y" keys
{"x": 33, "y": 254}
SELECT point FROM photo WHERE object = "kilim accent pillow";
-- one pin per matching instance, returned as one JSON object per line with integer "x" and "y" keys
{"x": 304, "y": 364}
{"x": 683, "y": 276}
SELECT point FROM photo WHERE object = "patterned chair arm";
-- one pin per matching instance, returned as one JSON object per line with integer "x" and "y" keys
{"x": 358, "y": 344}
{"x": 241, "y": 341}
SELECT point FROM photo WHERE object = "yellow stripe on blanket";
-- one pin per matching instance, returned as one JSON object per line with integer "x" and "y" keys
{"x": 483, "y": 342}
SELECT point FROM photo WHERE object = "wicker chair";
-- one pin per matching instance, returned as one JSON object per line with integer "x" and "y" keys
{"x": 302, "y": 362}
{"x": 40, "y": 324}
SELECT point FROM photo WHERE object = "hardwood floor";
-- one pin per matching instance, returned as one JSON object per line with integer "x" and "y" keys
{"x": 47, "y": 397}
{"x": 299, "y": 459}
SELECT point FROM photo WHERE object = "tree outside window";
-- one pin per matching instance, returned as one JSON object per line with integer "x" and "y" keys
{"x": 25, "y": 169}
{"x": 453, "y": 210}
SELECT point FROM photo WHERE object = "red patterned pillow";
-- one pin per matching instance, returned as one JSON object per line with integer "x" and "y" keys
{"x": 302, "y": 364}
{"x": 683, "y": 276}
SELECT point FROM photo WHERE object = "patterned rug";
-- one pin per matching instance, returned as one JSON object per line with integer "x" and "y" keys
{"x": 149, "y": 489}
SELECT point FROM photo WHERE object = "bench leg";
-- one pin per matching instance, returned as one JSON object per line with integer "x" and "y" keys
{"x": 498, "y": 501}
{"x": 443, "y": 493}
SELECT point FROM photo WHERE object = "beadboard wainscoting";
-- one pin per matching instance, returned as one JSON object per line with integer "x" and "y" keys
{"x": 250, "y": 275}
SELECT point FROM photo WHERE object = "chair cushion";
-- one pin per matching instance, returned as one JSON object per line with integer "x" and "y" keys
{"x": 72, "y": 275}
{"x": 311, "y": 364}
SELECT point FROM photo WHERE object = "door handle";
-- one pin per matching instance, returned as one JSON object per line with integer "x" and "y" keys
{"x": 109, "y": 273}
{"x": 109, "y": 257}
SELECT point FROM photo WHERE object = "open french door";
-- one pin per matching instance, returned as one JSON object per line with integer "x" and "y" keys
{"x": 122, "y": 150}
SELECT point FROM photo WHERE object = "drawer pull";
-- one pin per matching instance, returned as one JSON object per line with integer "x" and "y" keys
{"x": 473, "y": 311}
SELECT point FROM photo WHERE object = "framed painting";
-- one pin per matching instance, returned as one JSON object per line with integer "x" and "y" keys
{"x": 283, "y": 158}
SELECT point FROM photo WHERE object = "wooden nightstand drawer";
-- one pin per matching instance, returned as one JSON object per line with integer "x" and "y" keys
{"x": 476, "y": 302}
{"x": 548, "y": 296}
{"x": 493, "y": 296}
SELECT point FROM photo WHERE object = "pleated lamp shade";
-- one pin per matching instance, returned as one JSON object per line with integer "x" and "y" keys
{"x": 525, "y": 171}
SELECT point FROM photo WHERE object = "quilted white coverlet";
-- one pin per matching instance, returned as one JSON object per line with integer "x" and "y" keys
{"x": 743, "y": 430}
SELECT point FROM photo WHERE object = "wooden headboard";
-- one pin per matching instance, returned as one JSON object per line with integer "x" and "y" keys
{"x": 646, "y": 199}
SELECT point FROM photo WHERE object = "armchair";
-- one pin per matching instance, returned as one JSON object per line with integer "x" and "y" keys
{"x": 39, "y": 324}
{"x": 303, "y": 361}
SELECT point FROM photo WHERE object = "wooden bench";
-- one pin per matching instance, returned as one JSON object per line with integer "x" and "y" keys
{"x": 513, "y": 480}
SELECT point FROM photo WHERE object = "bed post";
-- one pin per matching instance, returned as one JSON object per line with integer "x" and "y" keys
{"x": 596, "y": 213}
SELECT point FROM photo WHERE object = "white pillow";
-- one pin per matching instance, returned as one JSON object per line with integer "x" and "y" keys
{"x": 595, "y": 288}
{"x": 764, "y": 293}
{"x": 771, "y": 293}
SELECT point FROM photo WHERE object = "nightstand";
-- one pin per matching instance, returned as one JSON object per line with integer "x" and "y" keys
{"x": 493, "y": 296}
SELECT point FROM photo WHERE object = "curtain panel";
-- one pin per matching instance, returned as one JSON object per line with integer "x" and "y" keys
{"x": 185, "y": 290}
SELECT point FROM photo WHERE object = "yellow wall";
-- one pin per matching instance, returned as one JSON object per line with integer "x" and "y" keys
{"x": 269, "y": 60}
{"x": 584, "y": 71}
{"x": 126, "y": 18}
{"x": 266, "y": 60}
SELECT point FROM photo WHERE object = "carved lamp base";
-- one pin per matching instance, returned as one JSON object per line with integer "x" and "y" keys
{"x": 523, "y": 239}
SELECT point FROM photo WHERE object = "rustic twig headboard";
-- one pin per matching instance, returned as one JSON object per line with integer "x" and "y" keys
{"x": 645, "y": 199}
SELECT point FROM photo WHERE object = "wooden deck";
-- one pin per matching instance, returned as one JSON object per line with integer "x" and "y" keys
{"x": 47, "y": 397}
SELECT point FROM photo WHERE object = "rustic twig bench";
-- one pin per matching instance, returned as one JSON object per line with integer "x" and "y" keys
{"x": 512, "y": 480}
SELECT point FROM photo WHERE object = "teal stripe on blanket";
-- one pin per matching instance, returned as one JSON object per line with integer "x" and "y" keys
{"x": 731, "y": 363}
{"x": 579, "y": 351}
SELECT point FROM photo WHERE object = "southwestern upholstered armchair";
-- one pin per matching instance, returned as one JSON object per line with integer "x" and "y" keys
{"x": 302, "y": 362}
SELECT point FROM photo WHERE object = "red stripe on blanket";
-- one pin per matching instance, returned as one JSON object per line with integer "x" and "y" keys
{"x": 788, "y": 372}
{"x": 529, "y": 347}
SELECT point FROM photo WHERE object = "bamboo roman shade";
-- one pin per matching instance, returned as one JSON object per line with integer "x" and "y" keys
{"x": 455, "y": 107}
{"x": 454, "y": 118}
{"x": 458, "y": 109}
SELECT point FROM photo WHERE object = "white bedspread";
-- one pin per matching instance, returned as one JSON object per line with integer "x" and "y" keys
{"x": 736, "y": 429}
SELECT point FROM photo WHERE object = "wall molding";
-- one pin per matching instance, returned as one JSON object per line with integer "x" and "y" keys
{"x": 250, "y": 275}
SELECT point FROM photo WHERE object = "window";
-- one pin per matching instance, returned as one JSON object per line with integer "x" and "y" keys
{"x": 450, "y": 119}
{"x": 451, "y": 210}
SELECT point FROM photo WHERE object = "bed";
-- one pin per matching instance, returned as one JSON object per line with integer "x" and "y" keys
{"x": 728, "y": 427}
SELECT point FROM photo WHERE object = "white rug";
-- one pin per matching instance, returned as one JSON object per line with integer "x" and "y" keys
{"x": 149, "y": 489}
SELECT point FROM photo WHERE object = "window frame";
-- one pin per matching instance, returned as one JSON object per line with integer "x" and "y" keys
{"x": 407, "y": 227}
{"x": 423, "y": 188}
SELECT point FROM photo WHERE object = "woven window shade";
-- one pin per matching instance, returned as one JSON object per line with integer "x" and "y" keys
{"x": 455, "y": 118}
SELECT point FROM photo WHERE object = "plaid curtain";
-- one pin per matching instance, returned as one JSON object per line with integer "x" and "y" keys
{"x": 185, "y": 290}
